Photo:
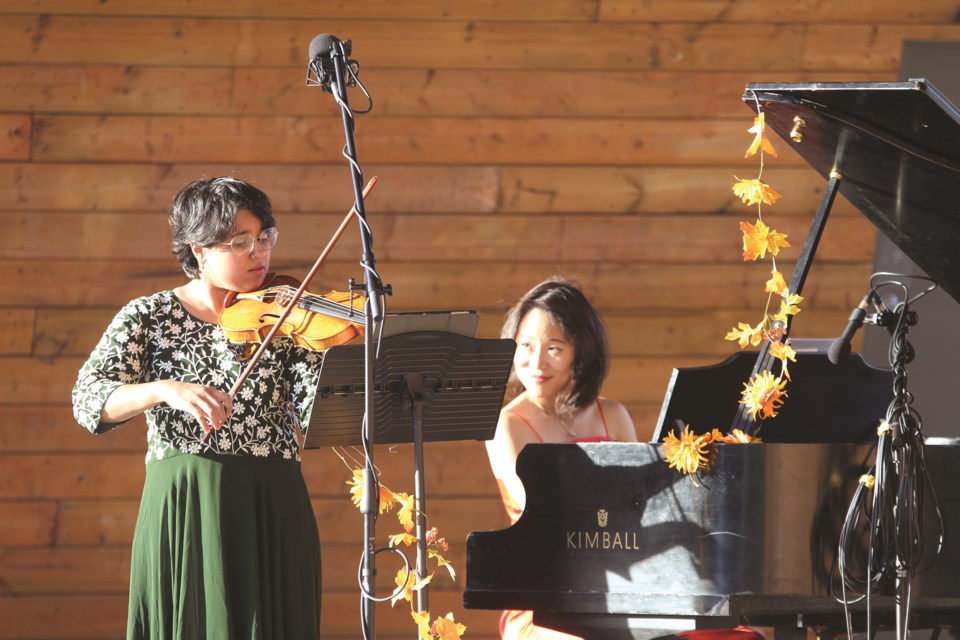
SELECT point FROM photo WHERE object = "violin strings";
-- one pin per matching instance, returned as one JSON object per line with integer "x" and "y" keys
{"x": 285, "y": 293}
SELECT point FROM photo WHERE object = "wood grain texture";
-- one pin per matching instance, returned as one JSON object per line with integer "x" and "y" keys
{"x": 597, "y": 139}
{"x": 218, "y": 42}
{"x": 414, "y": 93}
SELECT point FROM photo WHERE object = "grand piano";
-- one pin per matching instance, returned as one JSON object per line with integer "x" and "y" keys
{"x": 614, "y": 544}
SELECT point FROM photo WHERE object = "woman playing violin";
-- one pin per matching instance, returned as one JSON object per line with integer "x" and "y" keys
{"x": 226, "y": 543}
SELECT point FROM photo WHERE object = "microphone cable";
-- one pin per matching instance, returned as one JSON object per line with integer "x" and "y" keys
{"x": 892, "y": 521}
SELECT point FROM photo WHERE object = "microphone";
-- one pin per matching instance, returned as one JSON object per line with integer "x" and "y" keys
{"x": 840, "y": 348}
{"x": 324, "y": 44}
{"x": 326, "y": 52}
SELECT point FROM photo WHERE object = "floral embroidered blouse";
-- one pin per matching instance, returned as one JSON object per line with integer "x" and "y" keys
{"x": 155, "y": 338}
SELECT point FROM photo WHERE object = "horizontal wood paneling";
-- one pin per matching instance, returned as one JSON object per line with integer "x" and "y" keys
{"x": 148, "y": 188}
{"x": 15, "y": 132}
{"x": 379, "y": 44}
{"x": 542, "y": 10}
{"x": 51, "y": 428}
{"x": 867, "y": 46}
{"x": 938, "y": 11}
{"x": 448, "y": 190}
{"x": 414, "y": 93}
{"x": 20, "y": 324}
{"x": 597, "y": 139}
{"x": 28, "y": 524}
{"x": 420, "y": 286}
{"x": 171, "y": 139}
{"x": 446, "y": 238}
{"x": 806, "y": 11}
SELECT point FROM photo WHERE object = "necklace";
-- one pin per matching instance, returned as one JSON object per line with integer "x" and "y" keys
{"x": 568, "y": 428}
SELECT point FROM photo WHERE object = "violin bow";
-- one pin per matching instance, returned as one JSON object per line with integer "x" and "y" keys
{"x": 295, "y": 298}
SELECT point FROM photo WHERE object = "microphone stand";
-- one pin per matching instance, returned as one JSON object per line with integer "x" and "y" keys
{"x": 369, "y": 504}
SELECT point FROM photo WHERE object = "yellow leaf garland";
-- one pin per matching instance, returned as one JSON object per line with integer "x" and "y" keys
{"x": 443, "y": 628}
{"x": 760, "y": 141}
{"x": 764, "y": 393}
{"x": 755, "y": 191}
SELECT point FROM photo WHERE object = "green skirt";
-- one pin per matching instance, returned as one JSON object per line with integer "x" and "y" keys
{"x": 226, "y": 547}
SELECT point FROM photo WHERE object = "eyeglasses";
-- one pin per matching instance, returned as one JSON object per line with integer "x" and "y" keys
{"x": 243, "y": 244}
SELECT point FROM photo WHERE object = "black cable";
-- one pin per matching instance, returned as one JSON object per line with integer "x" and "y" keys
{"x": 889, "y": 528}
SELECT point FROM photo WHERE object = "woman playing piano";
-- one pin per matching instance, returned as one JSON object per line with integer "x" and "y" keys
{"x": 553, "y": 396}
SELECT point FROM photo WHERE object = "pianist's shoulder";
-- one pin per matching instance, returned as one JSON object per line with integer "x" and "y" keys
{"x": 619, "y": 423}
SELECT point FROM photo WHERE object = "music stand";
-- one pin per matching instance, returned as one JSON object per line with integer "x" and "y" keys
{"x": 428, "y": 386}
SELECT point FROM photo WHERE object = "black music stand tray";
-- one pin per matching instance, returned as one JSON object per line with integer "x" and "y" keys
{"x": 428, "y": 386}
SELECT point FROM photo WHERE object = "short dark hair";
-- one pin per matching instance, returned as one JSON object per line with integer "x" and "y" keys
{"x": 566, "y": 305}
{"x": 205, "y": 211}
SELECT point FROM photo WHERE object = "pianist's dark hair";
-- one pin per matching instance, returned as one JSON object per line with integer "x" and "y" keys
{"x": 563, "y": 301}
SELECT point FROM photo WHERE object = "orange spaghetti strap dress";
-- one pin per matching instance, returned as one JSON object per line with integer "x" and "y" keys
{"x": 518, "y": 625}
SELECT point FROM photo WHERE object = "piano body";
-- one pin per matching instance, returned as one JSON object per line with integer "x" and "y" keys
{"x": 615, "y": 544}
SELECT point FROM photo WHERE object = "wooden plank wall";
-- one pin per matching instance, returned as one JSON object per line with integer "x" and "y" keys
{"x": 513, "y": 140}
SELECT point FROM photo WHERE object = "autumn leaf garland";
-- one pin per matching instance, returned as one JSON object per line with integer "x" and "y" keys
{"x": 442, "y": 628}
{"x": 764, "y": 393}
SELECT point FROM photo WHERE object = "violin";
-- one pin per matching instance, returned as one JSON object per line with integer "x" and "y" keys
{"x": 316, "y": 322}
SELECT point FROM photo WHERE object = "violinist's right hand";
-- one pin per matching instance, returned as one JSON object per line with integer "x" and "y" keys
{"x": 210, "y": 407}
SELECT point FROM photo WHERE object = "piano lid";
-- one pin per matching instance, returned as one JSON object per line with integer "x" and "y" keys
{"x": 896, "y": 146}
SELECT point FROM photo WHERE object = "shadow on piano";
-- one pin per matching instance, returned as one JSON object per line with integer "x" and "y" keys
{"x": 614, "y": 543}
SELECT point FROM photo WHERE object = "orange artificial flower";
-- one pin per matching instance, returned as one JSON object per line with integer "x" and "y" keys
{"x": 788, "y": 307}
{"x": 746, "y": 334}
{"x": 763, "y": 395}
{"x": 409, "y": 584}
{"x": 759, "y": 238}
{"x": 689, "y": 452}
{"x": 783, "y": 352}
{"x": 734, "y": 437}
{"x": 436, "y": 544}
{"x": 405, "y": 515}
{"x": 447, "y": 628}
{"x": 404, "y": 538}
{"x": 776, "y": 331}
{"x": 754, "y": 191}
{"x": 739, "y": 437}
{"x": 387, "y": 498}
{"x": 404, "y": 581}
{"x": 422, "y": 618}
{"x": 776, "y": 284}
{"x": 760, "y": 140}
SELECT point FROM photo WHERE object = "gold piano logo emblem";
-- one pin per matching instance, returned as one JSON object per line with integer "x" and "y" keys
{"x": 602, "y": 517}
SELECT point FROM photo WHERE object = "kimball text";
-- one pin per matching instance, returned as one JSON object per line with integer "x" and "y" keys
{"x": 626, "y": 540}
